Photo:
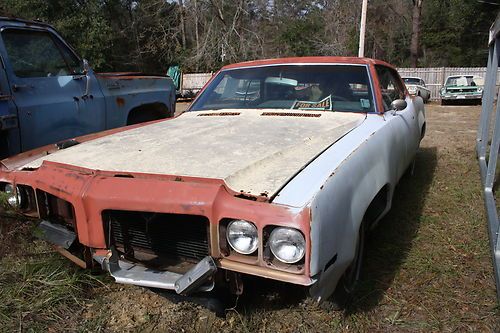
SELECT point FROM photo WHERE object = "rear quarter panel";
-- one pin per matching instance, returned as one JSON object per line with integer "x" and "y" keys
{"x": 123, "y": 93}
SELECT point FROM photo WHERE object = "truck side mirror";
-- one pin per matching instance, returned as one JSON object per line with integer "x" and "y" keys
{"x": 86, "y": 66}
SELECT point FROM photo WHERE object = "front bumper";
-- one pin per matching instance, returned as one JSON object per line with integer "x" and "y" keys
{"x": 462, "y": 97}
{"x": 198, "y": 278}
{"x": 89, "y": 194}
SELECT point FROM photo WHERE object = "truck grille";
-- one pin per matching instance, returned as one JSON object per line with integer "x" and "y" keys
{"x": 162, "y": 236}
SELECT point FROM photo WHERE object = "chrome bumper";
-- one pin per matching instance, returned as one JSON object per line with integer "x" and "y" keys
{"x": 197, "y": 278}
{"x": 461, "y": 97}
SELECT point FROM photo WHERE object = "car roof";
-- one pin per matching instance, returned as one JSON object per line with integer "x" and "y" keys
{"x": 411, "y": 77}
{"x": 465, "y": 75}
{"x": 308, "y": 60}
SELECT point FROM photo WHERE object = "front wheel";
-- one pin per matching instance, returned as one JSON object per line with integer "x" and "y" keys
{"x": 348, "y": 282}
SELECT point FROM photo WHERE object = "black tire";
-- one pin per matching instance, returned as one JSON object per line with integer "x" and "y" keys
{"x": 349, "y": 280}
{"x": 444, "y": 102}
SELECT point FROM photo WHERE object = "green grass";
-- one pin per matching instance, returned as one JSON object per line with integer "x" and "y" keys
{"x": 39, "y": 289}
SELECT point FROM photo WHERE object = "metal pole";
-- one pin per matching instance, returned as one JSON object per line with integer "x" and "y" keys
{"x": 361, "y": 52}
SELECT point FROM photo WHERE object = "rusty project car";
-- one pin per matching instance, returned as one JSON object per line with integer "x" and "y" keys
{"x": 277, "y": 170}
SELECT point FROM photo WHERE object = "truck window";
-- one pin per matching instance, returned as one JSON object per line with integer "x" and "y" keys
{"x": 37, "y": 54}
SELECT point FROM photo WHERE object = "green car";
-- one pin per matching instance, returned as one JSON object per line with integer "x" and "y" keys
{"x": 466, "y": 88}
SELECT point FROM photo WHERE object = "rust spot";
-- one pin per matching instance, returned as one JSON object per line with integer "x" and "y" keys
{"x": 178, "y": 179}
{"x": 120, "y": 101}
{"x": 246, "y": 196}
{"x": 123, "y": 176}
{"x": 219, "y": 114}
{"x": 59, "y": 190}
{"x": 290, "y": 114}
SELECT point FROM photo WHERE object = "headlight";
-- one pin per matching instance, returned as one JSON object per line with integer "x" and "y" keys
{"x": 479, "y": 89}
{"x": 13, "y": 196}
{"x": 242, "y": 236}
{"x": 442, "y": 91}
{"x": 288, "y": 245}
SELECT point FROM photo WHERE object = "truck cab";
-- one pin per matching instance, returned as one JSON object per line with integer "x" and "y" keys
{"x": 49, "y": 94}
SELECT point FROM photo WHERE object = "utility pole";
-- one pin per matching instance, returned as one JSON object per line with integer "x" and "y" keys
{"x": 361, "y": 52}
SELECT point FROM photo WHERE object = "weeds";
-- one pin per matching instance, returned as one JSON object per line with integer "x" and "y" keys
{"x": 38, "y": 288}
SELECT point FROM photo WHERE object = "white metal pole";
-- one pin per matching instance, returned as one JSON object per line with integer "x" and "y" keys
{"x": 362, "y": 29}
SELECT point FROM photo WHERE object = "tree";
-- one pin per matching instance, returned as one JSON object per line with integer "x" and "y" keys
{"x": 415, "y": 33}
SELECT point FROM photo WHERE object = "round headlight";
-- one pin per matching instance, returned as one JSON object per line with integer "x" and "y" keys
{"x": 288, "y": 245}
{"x": 13, "y": 196}
{"x": 479, "y": 89}
{"x": 242, "y": 236}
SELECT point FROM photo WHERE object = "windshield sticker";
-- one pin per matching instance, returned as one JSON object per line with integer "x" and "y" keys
{"x": 323, "y": 105}
{"x": 365, "y": 104}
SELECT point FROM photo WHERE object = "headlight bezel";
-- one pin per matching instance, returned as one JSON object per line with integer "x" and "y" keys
{"x": 263, "y": 256}
{"x": 274, "y": 233}
{"x": 13, "y": 194}
{"x": 19, "y": 197}
{"x": 235, "y": 223}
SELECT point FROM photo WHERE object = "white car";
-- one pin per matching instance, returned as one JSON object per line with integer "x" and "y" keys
{"x": 416, "y": 86}
{"x": 277, "y": 170}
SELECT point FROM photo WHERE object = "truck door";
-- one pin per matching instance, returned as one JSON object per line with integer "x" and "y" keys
{"x": 48, "y": 88}
{"x": 9, "y": 129}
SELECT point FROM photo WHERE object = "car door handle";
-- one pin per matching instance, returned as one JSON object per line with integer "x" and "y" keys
{"x": 17, "y": 87}
{"x": 114, "y": 86}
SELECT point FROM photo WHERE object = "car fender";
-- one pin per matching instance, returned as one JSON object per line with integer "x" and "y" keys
{"x": 339, "y": 207}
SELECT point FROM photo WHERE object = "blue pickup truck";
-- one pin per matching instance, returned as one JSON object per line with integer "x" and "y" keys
{"x": 49, "y": 94}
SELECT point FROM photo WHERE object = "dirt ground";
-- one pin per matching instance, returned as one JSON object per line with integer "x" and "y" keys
{"x": 428, "y": 267}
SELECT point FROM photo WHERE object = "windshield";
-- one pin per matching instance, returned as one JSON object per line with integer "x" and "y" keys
{"x": 299, "y": 87}
{"x": 464, "y": 81}
{"x": 411, "y": 80}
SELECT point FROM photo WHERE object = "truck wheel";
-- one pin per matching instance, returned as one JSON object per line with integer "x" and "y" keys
{"x": 444, "y": 102}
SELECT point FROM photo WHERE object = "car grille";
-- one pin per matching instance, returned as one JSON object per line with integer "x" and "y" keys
{"x": 165, "y": 236}
{"x": 459, "y": 90}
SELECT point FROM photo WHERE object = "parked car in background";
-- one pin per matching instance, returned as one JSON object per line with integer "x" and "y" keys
{"x": 277, "y": 170}
{"x": 416, "y": 87}
{"x": 462, "y": 88}
{"x": 48, "y": 93}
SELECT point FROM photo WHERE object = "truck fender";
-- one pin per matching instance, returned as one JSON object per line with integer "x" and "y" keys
{"x": 148, "y": 112}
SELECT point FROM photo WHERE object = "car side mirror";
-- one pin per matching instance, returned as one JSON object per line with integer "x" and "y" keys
{"x": 398, "y": 104}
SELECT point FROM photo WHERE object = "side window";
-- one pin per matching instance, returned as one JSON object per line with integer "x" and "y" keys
{"x": 238, "y": 89}
{"x": 37, "y": 54}
{"x": 74, "y": 64}
{"x": 390, "y": 84}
